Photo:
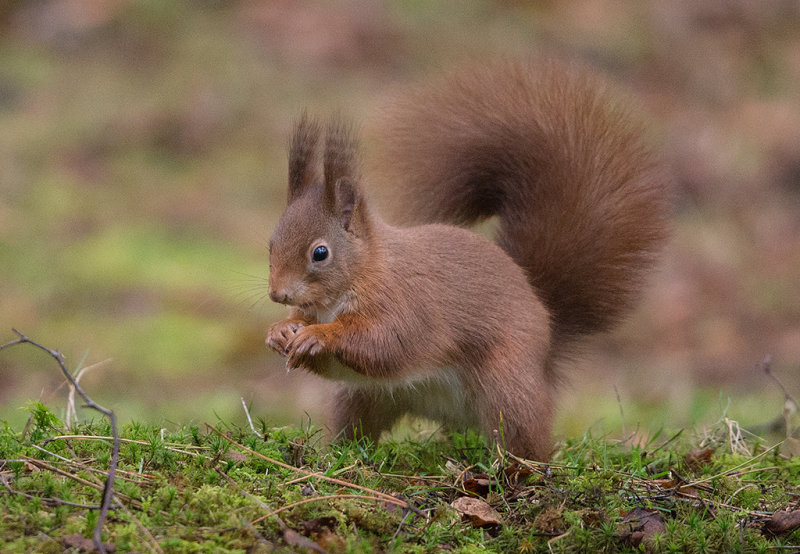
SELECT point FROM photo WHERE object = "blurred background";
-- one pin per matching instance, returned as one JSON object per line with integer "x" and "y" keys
{"x": 143, "y": 166}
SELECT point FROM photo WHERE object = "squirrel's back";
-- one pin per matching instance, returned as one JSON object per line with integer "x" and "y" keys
{"x": 582, "y": 206}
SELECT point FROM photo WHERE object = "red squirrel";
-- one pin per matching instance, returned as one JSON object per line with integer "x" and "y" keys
{"x": 430, "y": 318}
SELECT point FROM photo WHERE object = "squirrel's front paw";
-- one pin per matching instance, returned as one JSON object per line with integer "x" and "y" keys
{"x": 280, "y": 333}
{"x": 306, "y": 343}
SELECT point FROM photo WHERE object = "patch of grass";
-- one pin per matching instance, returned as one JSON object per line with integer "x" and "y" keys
{"x": 195, "y": 489}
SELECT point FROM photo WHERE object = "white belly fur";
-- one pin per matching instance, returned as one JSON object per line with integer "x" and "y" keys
{"x": 437, "y": 394}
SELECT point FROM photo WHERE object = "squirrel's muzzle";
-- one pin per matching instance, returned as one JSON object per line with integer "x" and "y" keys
{"x": 279, "y": 296}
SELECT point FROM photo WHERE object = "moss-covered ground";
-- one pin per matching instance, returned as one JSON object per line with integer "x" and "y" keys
{"x": 218, "y": 488}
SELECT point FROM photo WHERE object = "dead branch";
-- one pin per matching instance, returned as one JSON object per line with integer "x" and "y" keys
{"x": 790, "y": 406}
{"x": 290, "y": 536}
{"x": 71, "y": 416}
{"x": 48, "y": 501}
{"x": 171, "y": 446}
{"x": 108, "y": 488}
{"x": 249, "y": 419}
{"x": 317, "y": 499}
{"x": 379, "y": 495}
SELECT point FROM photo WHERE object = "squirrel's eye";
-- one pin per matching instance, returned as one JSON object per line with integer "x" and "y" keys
{"x": 320, "y": 253}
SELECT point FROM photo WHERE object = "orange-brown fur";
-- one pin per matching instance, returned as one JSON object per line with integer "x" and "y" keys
{"x": 433, "y": 319}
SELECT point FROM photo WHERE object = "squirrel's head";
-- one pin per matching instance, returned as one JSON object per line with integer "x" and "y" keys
{"x": 322, "y": 235}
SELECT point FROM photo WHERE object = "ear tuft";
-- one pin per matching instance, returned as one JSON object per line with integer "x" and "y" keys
{"x": 341, "y": 152}
{"x": 340, "y": 163}
{"x": 303, "y": 155}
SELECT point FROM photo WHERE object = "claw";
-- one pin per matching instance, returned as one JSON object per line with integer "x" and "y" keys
{"x": 281, "y": 334}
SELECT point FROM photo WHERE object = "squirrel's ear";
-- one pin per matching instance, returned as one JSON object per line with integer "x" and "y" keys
{"x": 303, "y": 155}
{"x": 340, "y": 165}
{"x": 346, "y": 200}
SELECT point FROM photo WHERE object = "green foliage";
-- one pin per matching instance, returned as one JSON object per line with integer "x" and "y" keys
{"x": 44, "y": 421}
{"x": 195, "y": 491}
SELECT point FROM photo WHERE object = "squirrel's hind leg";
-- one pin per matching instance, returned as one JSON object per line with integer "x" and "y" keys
{"x": 515, "y": 406}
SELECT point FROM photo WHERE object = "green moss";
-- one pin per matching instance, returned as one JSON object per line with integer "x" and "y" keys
{"x": 171, "y": 484}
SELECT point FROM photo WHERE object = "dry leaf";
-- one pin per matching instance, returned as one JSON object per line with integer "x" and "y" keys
{"x": 476, "y": 511}
{"x": 319, "y": 524}
{"x": 321, "y": 530}
{"x": 516, "y": 473}
{"x": 782, "y": 522}
{"x": 551, "y": 521}
{"x": 640, "y": 524}
{"x": 592, "y": 518}
{"x": 698, "y": 457}
{"x": 669, "y": 484}
{"x": 480, "y": 484}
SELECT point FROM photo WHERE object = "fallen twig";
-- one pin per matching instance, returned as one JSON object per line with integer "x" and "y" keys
{"x": 249, "y": 419}
{"x": 790, "y": 406}
{"x": 108, "y": 488}
{"x": 380, "y": 495}
{"x": 291, "y": 536}
{"x": 733, "y": 470}
{"x": 152, "y": 544}
{"x": 71, "y": 417}
{"x": 168, "y": 445}
{"x": 47, "y": 500}
{"x": 121, "y": 474}
{"x": 47, "y": 467}
{"x": 317, "y": 499}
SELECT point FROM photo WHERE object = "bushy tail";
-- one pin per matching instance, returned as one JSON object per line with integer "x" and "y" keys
{"x": 546, "y": 148}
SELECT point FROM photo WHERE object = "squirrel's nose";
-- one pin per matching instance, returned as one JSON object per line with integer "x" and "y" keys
{"x": 279, "y": 296}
